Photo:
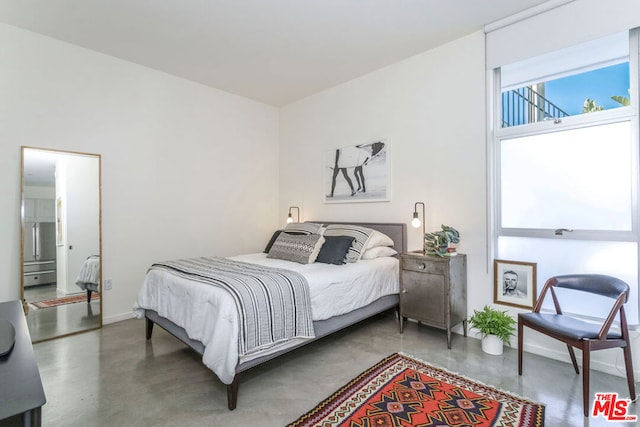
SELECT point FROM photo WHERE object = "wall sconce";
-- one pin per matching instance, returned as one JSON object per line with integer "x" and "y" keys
{"x": 416, "y": 222}
{"x": 290, "y": 218}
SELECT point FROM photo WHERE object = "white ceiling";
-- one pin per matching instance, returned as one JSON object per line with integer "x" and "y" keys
{"x": 273, "y": 51}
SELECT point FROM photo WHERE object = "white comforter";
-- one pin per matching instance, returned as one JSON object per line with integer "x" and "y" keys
{"x": 209, "y": 315}
{"x": 89, "y": 273}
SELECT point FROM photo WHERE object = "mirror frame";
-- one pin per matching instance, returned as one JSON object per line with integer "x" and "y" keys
{"x": 22, "y": 231}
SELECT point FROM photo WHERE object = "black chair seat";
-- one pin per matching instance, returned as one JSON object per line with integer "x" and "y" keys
{"x": 567, "y": 327}
{"x": 577, "y": 333}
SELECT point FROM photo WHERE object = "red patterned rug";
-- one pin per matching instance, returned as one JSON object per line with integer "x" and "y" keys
{"x": 65, "y": 300}
{"x": 403, "y": 391}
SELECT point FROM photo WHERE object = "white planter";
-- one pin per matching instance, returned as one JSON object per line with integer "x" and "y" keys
{"x": 491, "y": 344}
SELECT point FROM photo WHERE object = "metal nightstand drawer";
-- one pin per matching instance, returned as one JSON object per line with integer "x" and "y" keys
{"x": 419, "y": 265}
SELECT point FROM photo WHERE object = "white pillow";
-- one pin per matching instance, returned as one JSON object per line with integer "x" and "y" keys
{"x": 377, "y": 238}
{"x": 379, "y": 251}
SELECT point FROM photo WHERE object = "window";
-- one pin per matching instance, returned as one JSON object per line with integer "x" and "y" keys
{"x": 566, "y": 164}
{"x": 582, "y": 79}
{"x": 552, "y": 180}
{"x": 587, "y": 92}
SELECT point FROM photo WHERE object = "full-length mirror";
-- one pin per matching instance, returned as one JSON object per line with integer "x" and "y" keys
{"x": 61, "y": 242}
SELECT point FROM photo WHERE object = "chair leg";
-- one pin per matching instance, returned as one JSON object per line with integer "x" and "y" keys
{"x": 586, "y": 362}
{"x": 572, "y": 354}
{"x": 520, "y": 329}
{"x": 629, "y": 366}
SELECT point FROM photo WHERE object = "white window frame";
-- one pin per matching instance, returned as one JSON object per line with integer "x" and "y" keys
{"x": 496, "y": 133}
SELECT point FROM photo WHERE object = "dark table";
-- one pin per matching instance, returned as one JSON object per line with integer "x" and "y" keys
{"x": 21, "y": 393}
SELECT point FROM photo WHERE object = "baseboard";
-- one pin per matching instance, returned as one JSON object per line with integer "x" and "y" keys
{"x": 106, "y": 320}
{"x": 608, "y": 368}
{"x": 563, "y": 356}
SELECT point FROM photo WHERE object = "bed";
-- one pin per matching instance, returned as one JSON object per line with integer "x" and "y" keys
{"x": 89, "y": 276}
{"x": 178, "y": 308}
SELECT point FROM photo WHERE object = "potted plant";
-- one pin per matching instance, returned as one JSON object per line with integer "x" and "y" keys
{"x": 442, "y": 243}
{"x": 496, "y": 328}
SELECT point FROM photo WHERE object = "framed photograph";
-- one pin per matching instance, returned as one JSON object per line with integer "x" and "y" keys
{"x": 357, "y": 173}
{"x": 514, "y": 283}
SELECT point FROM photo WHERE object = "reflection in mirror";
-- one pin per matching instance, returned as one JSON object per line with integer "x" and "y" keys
{"x": 61, "y": 242}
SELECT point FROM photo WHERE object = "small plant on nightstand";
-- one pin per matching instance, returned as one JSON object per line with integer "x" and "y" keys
{"x": 496, "y": 328}
{"x": 442, "y": 243}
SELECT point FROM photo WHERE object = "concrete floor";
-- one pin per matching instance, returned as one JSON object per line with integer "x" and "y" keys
{"x": 42, "y": 292}
{"x": 114, "y": 377}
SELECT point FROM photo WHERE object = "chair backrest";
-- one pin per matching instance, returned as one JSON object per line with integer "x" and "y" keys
{"x": 600, "y": 284}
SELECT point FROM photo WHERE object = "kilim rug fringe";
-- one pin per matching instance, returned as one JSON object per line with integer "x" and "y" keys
{"x": 401, "y": 391}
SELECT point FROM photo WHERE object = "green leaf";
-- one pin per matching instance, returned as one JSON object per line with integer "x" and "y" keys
{"x": 590, "y": 106}
{"x": 490, "y": 321}
{"x": 622, "y": 100}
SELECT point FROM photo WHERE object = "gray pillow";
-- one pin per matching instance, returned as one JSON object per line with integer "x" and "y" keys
{"x": 302, "y": 249}
{"x": 334, "y": 250}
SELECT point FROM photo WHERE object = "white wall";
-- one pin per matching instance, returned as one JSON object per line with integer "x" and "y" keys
{"x": 433, "y": 109}
{"x": 37, "y": 192}
{"x": 183, "y": 165}
{"x": 81, "y": 216}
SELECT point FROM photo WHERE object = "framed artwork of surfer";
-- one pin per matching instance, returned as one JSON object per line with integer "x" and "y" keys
{"x": 357, "y": 173}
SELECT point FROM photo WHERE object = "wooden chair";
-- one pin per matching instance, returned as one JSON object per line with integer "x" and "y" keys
{"x": 578, "y": 333}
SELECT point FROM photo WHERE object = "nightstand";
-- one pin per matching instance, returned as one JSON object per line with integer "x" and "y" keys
{"x": 433, "y": 291}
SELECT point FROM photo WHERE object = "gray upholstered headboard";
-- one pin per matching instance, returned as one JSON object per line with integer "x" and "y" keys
{"x": 396, "y": 230}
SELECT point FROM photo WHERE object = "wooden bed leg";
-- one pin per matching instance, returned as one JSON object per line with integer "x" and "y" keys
{"x": 400, "y": 319}
{"x": 232, "y": 392}
{"x": 149, "y": 327}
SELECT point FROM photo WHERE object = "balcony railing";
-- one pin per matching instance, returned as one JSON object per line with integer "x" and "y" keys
{"x": 524, "y": 105}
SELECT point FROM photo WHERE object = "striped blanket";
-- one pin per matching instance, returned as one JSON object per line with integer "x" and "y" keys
{"x": 273, "y": 304}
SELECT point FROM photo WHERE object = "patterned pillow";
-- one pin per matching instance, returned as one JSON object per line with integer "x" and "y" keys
{"x": 304, "y": 228}
{"x": 302, "y": 249}
{"x": 361, "y": 235}
{"x": 271, "y": 241}
{"x": 275, "y": 236}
